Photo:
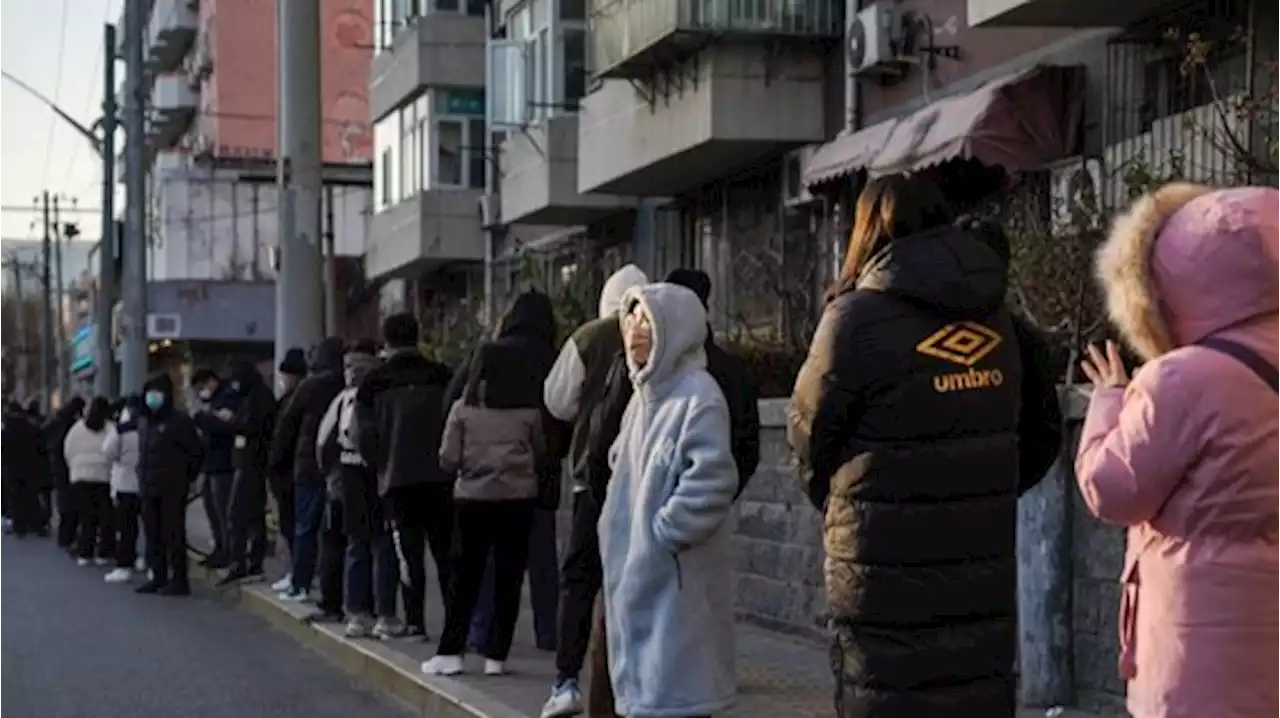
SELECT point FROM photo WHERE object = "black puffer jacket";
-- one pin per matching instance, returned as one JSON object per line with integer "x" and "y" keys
{"x": 399, "y": 418}
{"x": 169, "y": 447}
{"x": 298, "y": 423}
{"x": 906, "y": 415}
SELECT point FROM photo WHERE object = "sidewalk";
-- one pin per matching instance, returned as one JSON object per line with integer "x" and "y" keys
{"x": 778, "y": 677}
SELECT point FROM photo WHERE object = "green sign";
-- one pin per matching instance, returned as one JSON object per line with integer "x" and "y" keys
{"x": 469, "y": 103}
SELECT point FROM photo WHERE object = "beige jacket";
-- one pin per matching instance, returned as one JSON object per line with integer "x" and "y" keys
{"x": 494, "y": 453}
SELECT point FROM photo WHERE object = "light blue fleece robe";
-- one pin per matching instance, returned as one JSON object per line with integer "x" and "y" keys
{"x": 664, "y": 536}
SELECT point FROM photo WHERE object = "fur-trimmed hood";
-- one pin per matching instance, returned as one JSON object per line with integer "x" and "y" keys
{"x": 1187, "y": 261}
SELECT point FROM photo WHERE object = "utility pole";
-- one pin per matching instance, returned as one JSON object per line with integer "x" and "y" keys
{"x": 330, "y": 267}
{"x": 61, "y": 360}
{"x": 46, "y": 318}
{"x": 104, "y": 382}
{"x": 133, "y": 284}
{"x": 299, "y": 281}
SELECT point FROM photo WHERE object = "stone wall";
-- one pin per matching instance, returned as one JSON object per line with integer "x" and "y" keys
{"x": 778, "y": 557}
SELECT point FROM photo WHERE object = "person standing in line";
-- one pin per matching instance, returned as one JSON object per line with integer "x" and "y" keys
{"x": 22, "y": 469}
{"x": 291, "y": 371}
{"x": 665, "y": 538}
{"x": 1184, "y": 454}
{"x": 399, "y": 419}
{"x": 251, "y": 427}
{"x": 919, "y": 416}
{"x": 121, "y": 450}
{"x": 573, "y": 391}
{"x": 169, "y": 457}
{"x": 43, "y": 479}
{"x": 526, "y": 338}
{"x": 55, "y": 433}
{"x": 214, "y": 405}
{"x": 495, "y": 443}
{"x": 295, "y": 437}
{"x": 90, "y": 476}
{"x": 346, "y": 514}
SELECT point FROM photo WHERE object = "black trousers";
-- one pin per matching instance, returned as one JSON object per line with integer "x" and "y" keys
{"x": 286, "y": 523}
{"x": 164, "y": 517}
{"x": 421, "y": 516}
{"x": 333, "y": 558}
{"x": 97, "y": 537}
{"x": 215, "y": 494}
{"x": 483, "y": 526}
{"x": 580, "y": 577}
{"x": 68, "y": 516}
{"x": 24, "y": 506}
{"x": 128, "y": 510}
{"x": 246, "y": 542}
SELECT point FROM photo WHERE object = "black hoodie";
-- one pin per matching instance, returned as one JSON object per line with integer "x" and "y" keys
{"x": 169, "y": 446}
{"x": 399, "y": 419}
{"x": 906, "y": 416}
{"x": 296, "y": 426}
{"x": 254, "y": 421}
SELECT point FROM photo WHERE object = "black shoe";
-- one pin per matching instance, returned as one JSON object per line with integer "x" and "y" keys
{"x": 43, "y": 532}
{"x": 256, "y": 574}
{"x": 326, "y": 617}
{"x": 235, "y": 575}
{"x": 175, "y": 588}
{"x": 215, "y": 561}
{"x": 149, "y": 587}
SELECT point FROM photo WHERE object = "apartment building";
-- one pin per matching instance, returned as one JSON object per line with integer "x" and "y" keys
{"x": 212, "y": 141}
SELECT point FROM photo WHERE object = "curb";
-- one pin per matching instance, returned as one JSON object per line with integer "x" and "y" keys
{"x": 367, "y": 660}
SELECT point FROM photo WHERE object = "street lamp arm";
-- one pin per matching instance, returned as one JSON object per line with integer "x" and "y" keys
{"x": 85, "y": 132}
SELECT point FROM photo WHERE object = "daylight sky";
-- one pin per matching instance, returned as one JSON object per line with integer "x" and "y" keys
{"x": 55, "y": 46}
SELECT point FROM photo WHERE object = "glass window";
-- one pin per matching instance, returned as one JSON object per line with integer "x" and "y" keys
{"x": 446, "y": 5}
{"x": 477, "y": 151}
{"x": 386, "y": 136}
{"x": 475, "y": 7}
{"x": 449, "y": 163}
{"x": 574, "y": 46}
{"x": 423, "y": 150}
{"x": 573, "y": 10}
{"x": 384, "y": 174}
{"x": 408, "y": 154}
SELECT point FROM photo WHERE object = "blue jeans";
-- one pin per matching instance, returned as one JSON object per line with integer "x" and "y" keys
{"x": 309, "y": 501}
{"x": 372, "y": 575}
{"x": 544, "y": 586}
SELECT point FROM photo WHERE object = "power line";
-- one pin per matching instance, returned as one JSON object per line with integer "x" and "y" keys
{"x": 57, "y": 89}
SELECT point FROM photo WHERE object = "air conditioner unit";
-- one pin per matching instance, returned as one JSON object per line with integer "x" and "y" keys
{"x": 489, "y": 209}
{"x": 1077, "y": 200}
{"x": 872, "y": 42}
{"x": 794, "y": 192}
{"x": 164, "y": 326}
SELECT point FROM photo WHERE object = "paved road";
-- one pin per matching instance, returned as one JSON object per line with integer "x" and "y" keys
{"x": 73, "y": 646}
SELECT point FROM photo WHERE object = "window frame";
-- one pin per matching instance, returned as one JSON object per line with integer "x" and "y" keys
{"x": 470, "y": 146}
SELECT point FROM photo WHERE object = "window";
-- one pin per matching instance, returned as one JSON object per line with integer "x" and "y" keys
{"x": 386, "y": 138}
{"x": 573, "y": 48}
{"x": 461, "y": 157}
{"x": 542, "y": 70}
{"x": 410, "y": 152}
{"x": 392, "y": 16}
{"x": 384, "y": 173}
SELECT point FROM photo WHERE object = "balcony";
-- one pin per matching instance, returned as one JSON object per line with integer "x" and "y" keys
{"x": 173, "y": 106}
{"x": 439, "y": 49}
{"x": 430, "y": 229}
{"x": 1059, "y": 13}
{"x": 735, "y": 106}
{"x": 122, "y": 44}
{"x": 170, "y": 33}
{"x": 629, "y": 38}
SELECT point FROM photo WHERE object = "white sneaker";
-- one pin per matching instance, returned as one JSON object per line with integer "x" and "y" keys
{"x": 83, "y": 562}
{"x": 119, "y": 575}
{"x": 443, "y": 666}
{"x": 140, "y": 565}
{"x": 359, "y": 627}
{"x": 102, "y": 562}
{"x": 294, "y": 595}
{"x": 388, "y": 628}
{"x": 283, "y": 584}
{"x": 565, "y": 700}
{"x": 494, "y": 668}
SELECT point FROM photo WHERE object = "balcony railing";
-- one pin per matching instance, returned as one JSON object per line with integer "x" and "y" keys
{"x": 629, "y": 34}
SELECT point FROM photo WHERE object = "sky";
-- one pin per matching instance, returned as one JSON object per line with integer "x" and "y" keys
{"x": 55, "y": 46}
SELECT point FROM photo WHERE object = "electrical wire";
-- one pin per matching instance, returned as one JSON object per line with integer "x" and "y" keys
{"x": 94, "y": 88}
{"x": 57, "y": 89}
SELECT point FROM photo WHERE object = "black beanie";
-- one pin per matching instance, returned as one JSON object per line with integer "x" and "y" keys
{"x": 694, "y": 279}
{"x": 400, "y": 331}
{"x": 294, "y": 362}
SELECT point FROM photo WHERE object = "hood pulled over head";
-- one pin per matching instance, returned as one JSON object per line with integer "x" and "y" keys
{"x": 679, "y": 329}
{"x": 617, "y": 285}
{"x": 162, "y": 383}
{"x": 1187, "y": 261}
{"x": 531, "y": 315}
{"x": 327, "y": 356}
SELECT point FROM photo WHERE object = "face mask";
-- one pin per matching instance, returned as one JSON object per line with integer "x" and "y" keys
{"x": 235, "y": 386}
{"x": 206, "y": 394}
{"x": 154, "y": 400}
{"x": 125, "y": 416}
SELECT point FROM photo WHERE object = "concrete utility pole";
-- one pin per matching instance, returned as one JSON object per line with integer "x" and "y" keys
{"x": 104, "y": 382}
{"x": 133, "y": 285}
{"x": 299, "y": 281}
{"x": 330, "y": 266}
{"x": 61, "y": 360}
{"x": 46, "y": 318}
